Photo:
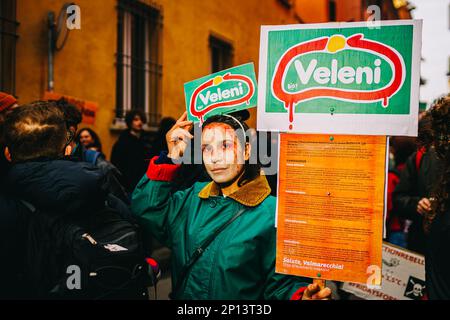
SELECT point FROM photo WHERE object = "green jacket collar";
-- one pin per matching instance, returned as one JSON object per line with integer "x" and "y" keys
{"x": 250, "y": 194}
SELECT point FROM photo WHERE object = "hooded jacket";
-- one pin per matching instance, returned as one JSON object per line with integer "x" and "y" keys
{"x": 60, "y": 189}
{"x": 240, "y": 262}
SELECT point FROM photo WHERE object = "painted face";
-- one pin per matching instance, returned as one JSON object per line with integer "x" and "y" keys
{"x": 86, "y": 138}
{"x": 223, "y": 154}
{"x": 137, "y": 123}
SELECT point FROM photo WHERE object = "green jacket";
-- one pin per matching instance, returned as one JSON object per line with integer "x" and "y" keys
{"x": 240, "y": 262}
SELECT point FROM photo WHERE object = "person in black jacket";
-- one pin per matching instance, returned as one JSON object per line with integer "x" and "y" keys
{"x": 37, "y": 140}
{"x": 437, "y": 219}
{"x": 411, "y": 197}
{"x": 12, "y": 224}
{"x": 12, "y": 246}
{"x": 131, "y": 153}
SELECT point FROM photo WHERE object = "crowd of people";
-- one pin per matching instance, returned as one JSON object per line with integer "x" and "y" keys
{"x": 62, "y": 203}
{"x": 418, "y": 195}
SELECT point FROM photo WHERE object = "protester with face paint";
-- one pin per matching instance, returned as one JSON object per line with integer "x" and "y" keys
{"x": 222, "y": 234}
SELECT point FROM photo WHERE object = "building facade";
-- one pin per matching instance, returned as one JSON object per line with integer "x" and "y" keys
{"x": 138, "y": 54}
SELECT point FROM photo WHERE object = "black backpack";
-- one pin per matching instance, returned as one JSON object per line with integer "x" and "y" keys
{"x": 97, "y": 256}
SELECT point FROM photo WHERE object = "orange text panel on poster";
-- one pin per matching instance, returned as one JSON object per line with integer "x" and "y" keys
{"x": 330, "y": 207}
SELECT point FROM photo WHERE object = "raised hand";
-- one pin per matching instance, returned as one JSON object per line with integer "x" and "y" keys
{"x": 178, "y": 137}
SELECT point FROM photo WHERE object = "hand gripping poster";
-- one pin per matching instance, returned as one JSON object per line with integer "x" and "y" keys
{"x": 340, "y": 78}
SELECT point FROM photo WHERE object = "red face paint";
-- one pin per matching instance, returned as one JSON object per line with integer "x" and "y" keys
{"x": 222, "y": 162}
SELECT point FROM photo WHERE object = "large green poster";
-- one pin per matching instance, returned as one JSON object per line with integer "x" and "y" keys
{"x": 342, "y": 78}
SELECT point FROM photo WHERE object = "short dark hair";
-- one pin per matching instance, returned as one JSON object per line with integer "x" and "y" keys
{"x": 35, "y": 130}
{"x": 72, "y": 115}
{"x": 129, "y": 117}
{"x": 165, "y": 125}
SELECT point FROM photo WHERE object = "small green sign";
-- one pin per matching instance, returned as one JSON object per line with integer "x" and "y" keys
{"x": 223, "y": 92}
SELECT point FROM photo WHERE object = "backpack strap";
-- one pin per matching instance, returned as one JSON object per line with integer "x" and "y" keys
{"x": 199, "y": 252}
{"x": 91, "y": 156}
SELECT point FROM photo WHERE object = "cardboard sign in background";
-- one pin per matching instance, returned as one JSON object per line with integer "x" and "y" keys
{"x": 342, "y": 78}
{"x": 226, "y": 91}
{"x": 403, "y": 277}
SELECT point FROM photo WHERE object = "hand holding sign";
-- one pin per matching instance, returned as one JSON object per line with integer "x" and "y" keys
{"x": 178, "y": 136}
{"x": 313, "y": 292}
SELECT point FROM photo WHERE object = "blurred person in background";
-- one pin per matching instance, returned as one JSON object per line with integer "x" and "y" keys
{"x": 159, "y": 141}
{"x": 131, "y": 153}
{"x": 7, "y": 103}
{"x": 437, "y": 214}
{"x": 411, "y": 197}
{"x": 89, "y": 139}
{"x": 401, "y": 149}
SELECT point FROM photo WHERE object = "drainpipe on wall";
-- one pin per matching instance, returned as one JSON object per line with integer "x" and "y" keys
{"x": 51, "y": 49}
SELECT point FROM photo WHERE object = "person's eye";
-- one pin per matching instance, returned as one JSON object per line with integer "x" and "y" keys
{"x": 207, "y": 148}
{"x": 227, "y": 145}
